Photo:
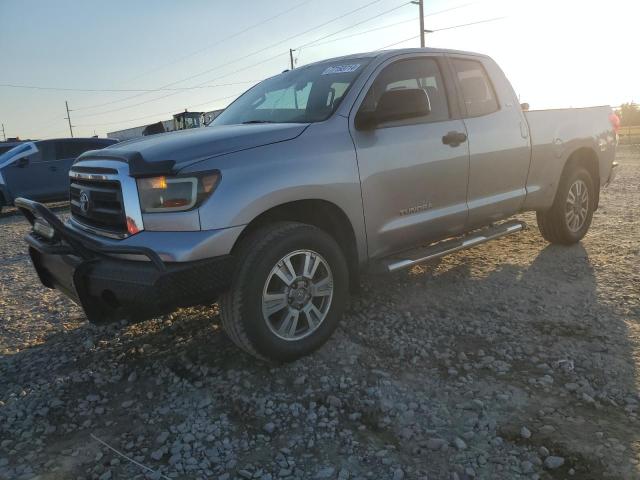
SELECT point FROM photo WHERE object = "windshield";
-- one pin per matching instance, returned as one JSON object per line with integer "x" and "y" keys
{"x": 304, "y": 95}
{"x": 9, "y": 155}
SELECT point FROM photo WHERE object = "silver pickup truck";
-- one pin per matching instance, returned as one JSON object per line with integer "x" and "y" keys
{"x": 376, "y": 161}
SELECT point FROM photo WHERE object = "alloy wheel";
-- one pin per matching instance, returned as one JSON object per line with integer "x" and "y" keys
{"x": 577, "y": 206}
{"x": 297, "y": 295}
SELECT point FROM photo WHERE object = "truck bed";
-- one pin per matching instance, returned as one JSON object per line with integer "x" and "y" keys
{"x": 555, "y": 134}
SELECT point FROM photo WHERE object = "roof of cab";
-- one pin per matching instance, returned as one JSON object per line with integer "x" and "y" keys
{"x": 78, "y": 139}
{"x": 398, "y": 51}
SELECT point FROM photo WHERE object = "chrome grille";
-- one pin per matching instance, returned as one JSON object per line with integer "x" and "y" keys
{"x": 96, "y": 201}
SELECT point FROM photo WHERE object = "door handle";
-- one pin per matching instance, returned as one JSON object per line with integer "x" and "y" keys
{"x": 454, "y": 139}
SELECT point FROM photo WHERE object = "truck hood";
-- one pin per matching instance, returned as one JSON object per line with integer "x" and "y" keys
{"x": 167, "y": 153}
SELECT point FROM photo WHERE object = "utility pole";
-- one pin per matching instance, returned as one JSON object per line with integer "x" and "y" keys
{"x": 291, "y": 50}
{"x": 68, "y": 117}
{"x": 4, "y": 137}
{"x": 420, "y": 4}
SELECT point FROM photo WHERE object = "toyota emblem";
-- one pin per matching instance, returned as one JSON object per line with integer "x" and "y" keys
{"x": 84, "y": 201}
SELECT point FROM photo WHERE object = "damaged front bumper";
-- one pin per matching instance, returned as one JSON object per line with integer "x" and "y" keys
{"x": 109, "y": 287}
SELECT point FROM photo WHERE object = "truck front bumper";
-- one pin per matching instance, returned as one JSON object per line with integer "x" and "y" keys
{"x": 110, "y": 288}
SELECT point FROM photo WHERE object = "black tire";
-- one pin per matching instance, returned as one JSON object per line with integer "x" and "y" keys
{"x": 241, "y": 306}
{"x": 553, "y": 223}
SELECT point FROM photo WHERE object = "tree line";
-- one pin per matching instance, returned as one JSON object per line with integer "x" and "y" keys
{"x": 629, "y": 114}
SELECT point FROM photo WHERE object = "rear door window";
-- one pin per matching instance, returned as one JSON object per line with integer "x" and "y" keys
{"x": 47, "y": 151}
{"x": 477, "y": 91}
{"x": 71, "y": 149}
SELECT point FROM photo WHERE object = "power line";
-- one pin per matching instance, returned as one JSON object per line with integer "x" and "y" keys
{"x": 369, "y": 4}
{"x": 155, "y": 114}
{"x": 312, "y": 43}
{"x": 219, "y": 42}
{"x": 431, "y": 14}
{"x": 397, "y": 43}
{"x": 94, "y": 90}
{"x": 118, "y": 122}
{"x": 174, "y": 93}
{"x": 362, "y": 33}
{"x": 450, "y": 9}
{"x": 469, "y": 24}
{"x": 354, "y": 25}
{"x": 308, "y": 44}
{"x": 232, "y": 96}
{"x": 443, "y": 29}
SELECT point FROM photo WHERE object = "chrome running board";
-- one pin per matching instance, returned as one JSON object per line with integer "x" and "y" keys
{"x": 453, "y": 245}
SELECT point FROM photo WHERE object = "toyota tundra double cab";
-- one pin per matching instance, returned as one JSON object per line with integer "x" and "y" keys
{"x": 376, "y": 161}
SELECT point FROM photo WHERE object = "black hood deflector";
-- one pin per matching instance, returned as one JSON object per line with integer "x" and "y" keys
{"x": 138, "y": 166}
{"x": 168, "y": 153}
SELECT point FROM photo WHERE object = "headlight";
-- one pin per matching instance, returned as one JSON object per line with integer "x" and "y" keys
{"x": 175, "y": 194}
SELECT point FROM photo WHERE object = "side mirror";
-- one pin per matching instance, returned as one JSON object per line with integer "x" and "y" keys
{"x": 22, "y": 162}
{"x": 524, "y": 107}
{"x": 396, "y": 105}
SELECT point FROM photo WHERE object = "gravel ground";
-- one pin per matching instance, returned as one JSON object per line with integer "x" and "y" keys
{"x": 512, "y": 360}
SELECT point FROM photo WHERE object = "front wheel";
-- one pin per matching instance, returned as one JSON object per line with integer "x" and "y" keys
{"x": 288, "y": 292}
{"x": 569, "y": 218}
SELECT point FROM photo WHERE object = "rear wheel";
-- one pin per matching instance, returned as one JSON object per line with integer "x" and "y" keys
{"x": 569, "y": 218}
{"x": 288, "y": 292}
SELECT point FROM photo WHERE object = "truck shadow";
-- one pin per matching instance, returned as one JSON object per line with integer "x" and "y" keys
{"x": 559, "y": 340}
{"x": 545, "y": 317}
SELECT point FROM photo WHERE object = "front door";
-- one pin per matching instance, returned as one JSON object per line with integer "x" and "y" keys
{"x": 29, "y": 175}
{"x": 414, "y": 185}
{"x": 498, "y": 137}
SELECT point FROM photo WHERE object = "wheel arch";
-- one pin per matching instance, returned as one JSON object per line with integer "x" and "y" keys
{"x": 587, "y": 158}
{"x": 322, "y": 214}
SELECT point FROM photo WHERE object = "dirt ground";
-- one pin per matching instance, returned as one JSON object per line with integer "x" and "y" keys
{"x": 515, "y": 359}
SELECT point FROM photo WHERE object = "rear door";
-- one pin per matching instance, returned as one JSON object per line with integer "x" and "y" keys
{"x": 498, "y": 137}
{"x": 414, "y": 185}
{"x": 66, "y": 151}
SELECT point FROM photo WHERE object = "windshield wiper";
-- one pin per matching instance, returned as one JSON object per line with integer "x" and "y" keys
{"x": 257, "y": 121}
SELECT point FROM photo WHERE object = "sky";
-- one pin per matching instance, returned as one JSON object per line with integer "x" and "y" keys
{"x": 163, "y": 56}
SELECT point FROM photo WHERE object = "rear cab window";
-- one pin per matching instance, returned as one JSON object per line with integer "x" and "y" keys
{"x": 476, "y": 88}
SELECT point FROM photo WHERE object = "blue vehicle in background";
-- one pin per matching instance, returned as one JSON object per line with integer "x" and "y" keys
{"x": 40, "y": 169}
{"x": 8, "y": 145}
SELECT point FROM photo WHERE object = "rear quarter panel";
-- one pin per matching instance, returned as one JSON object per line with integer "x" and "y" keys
{"x": 555, "y": 135}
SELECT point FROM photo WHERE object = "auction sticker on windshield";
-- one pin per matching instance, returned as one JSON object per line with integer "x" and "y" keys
{"x": 341, "y": 69}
